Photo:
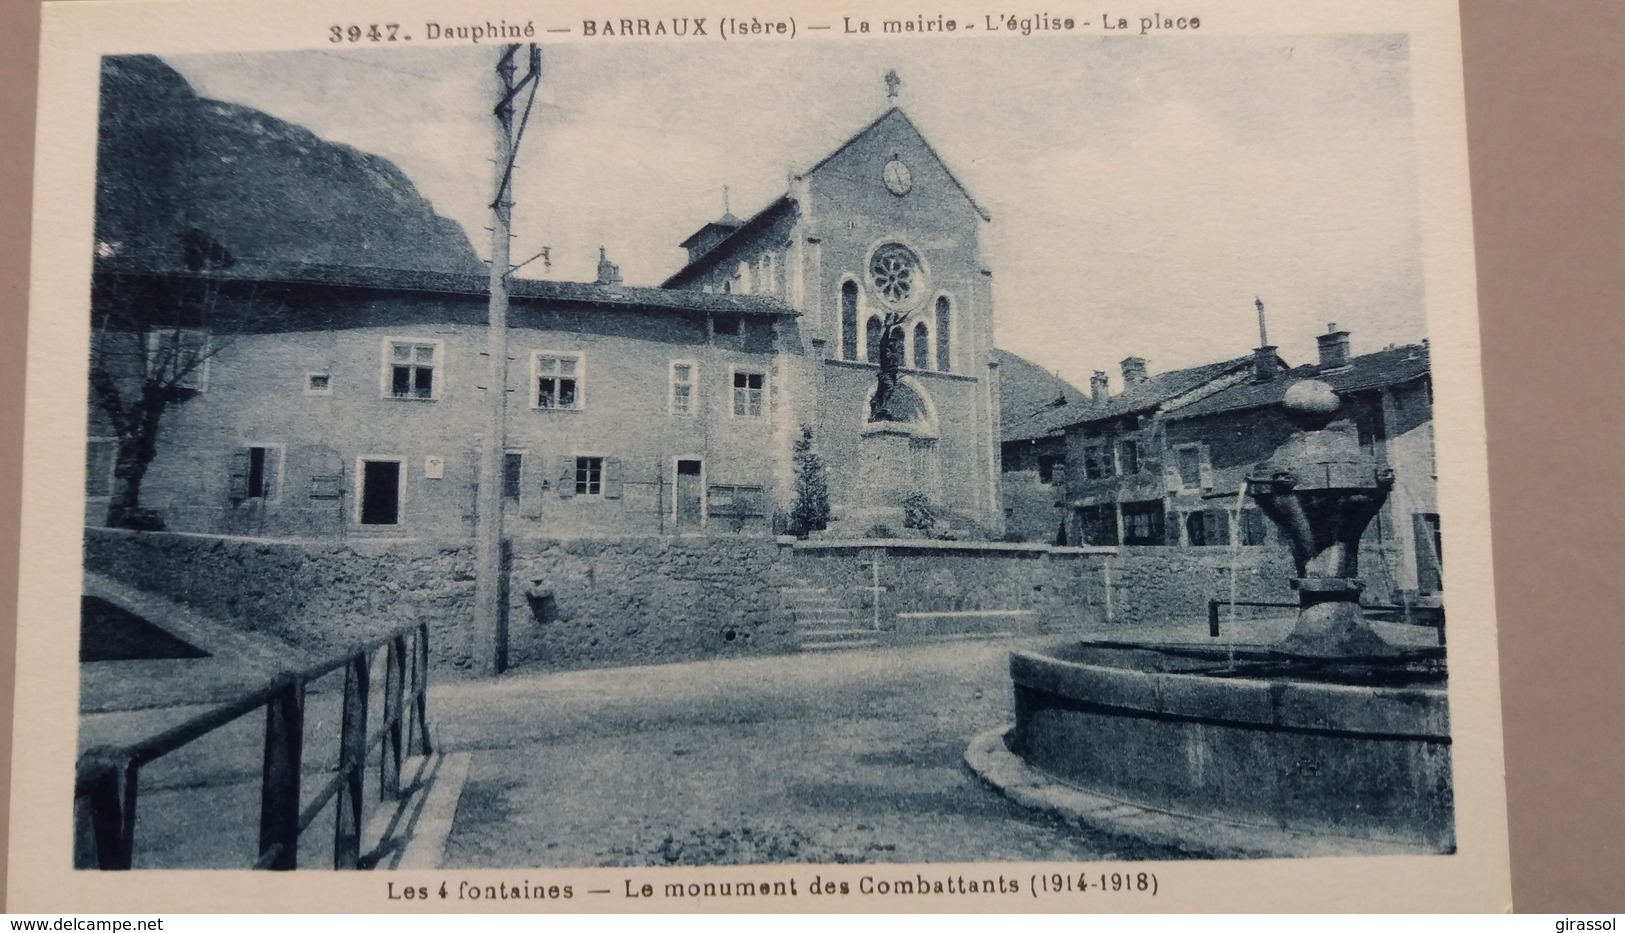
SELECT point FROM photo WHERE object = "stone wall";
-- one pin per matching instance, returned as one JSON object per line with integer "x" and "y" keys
{"x": 648, "y": 599}
{"x": 1060, "y": 585}
{"x": 596, "y": 602}
{"x": 581, "y": 603}
{"x": 1152, "y": 585}
{"x": 1063, "y": 586}
{"x": 325, "y": 598}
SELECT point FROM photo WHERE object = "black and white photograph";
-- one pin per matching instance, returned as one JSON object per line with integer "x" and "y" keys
{"x": 988, "y": 457}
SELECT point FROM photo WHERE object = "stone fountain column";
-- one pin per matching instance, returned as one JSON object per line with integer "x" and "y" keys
{"x": 1322, "y": 491}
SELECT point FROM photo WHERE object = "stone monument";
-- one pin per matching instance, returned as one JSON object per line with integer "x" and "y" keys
{"x": 884, "y": 478}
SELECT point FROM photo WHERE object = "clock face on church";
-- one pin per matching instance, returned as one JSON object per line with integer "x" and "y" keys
{"x": 898, "y": 179}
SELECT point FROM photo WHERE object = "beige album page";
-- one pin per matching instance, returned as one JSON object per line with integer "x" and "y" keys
{"x": 734, "y": 457}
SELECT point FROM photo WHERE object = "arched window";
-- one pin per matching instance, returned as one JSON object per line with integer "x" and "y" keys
{"x": 849, "y": 320}
{"x": 944, "y": 331}
{"x": 872, "y": 333}
{"x": 922, "y": 346}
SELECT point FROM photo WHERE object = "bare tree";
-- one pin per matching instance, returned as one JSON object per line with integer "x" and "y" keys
{"x": 150, "y": 352}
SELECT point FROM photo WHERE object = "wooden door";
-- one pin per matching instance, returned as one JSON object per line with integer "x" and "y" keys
{"x": 690, "y": 495}
{"x": 380, "y": 492}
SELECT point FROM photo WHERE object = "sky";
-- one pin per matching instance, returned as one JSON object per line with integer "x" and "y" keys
{"x": 1143, "y": 192}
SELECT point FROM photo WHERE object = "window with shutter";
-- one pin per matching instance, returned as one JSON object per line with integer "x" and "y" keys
{"x": 1128, "y": 456}
{"x": 1207, "y": 528}
{"x": 1097, "y": 460}
{"x": 532, "y": 484}
{"x": 1253, "y": 530}
{"x": 1143, "y": 523}
{"x": 1098, "y": 524}
{"x": 255, "y": 472}
{"x": 239, "y": 474}
{"x": 1190, "y": 466}
{"x": 567, "y": 477}
{"x": 513, "y": 473}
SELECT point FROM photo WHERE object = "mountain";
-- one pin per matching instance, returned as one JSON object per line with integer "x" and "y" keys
{"x": 183, "y": 180}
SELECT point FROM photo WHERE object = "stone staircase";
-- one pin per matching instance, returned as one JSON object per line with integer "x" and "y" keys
{"x": 823, "y": 623}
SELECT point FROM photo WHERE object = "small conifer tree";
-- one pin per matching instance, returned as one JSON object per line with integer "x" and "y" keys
{"x": 918, "y": 512}
{"x": 810, "y": 511}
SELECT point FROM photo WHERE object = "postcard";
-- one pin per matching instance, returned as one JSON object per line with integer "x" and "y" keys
{"x": 736, "y": 457}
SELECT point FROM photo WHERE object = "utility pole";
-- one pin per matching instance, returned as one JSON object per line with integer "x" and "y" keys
{"x": 490, "y": 632}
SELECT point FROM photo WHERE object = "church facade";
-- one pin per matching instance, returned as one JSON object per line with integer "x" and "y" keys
{"x": 878, "y": 234}
{"x": 347, "y": 400}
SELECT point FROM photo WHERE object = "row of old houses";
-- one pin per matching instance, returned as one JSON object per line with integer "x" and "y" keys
{"x": 1162, "y": 462}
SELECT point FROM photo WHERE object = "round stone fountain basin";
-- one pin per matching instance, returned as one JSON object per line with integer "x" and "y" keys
{"x": 1358, "y": 750}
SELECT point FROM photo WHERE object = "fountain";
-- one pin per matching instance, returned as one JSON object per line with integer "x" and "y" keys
{"x": 1332, "y": 740}
{"x": 1322, "y": 492}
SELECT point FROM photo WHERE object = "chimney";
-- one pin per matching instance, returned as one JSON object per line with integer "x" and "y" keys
{"x": 1334, "y": 347}
{"x": 1133, "y": 372}
{"x": 608, "y": 272}
{"x": 1097, "y": 387}
{"x": 1264, "y": 364}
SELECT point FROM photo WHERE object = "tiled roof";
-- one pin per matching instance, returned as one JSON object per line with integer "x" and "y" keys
{"x": 1151, "y": 394}
{"x": 1391, "y": 366}
{"x": 1030, "y": 399}
{"x": 456, "y": 284}
{"x": 1135, "y": 399}
{"x": 1041, "y": 417}
{"x": 743, "y": 232}
{"x": 726, "y": 222}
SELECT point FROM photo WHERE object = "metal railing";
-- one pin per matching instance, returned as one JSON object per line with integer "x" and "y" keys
{"x": 106, "y": 787}
{"x": 1427, "y": 617}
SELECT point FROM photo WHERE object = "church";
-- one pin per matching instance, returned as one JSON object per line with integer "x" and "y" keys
{"x": 335, "y": 397}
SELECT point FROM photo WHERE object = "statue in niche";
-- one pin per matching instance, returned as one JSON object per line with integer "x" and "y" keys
{"x": 881, "y": 407}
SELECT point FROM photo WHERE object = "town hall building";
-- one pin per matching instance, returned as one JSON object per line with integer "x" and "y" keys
{"x": 325, "y": 399}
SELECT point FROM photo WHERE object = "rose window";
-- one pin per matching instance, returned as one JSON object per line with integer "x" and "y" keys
{"x": 895, "y": 272}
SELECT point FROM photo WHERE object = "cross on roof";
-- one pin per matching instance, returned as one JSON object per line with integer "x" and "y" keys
{"x": 893, "y": 85}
